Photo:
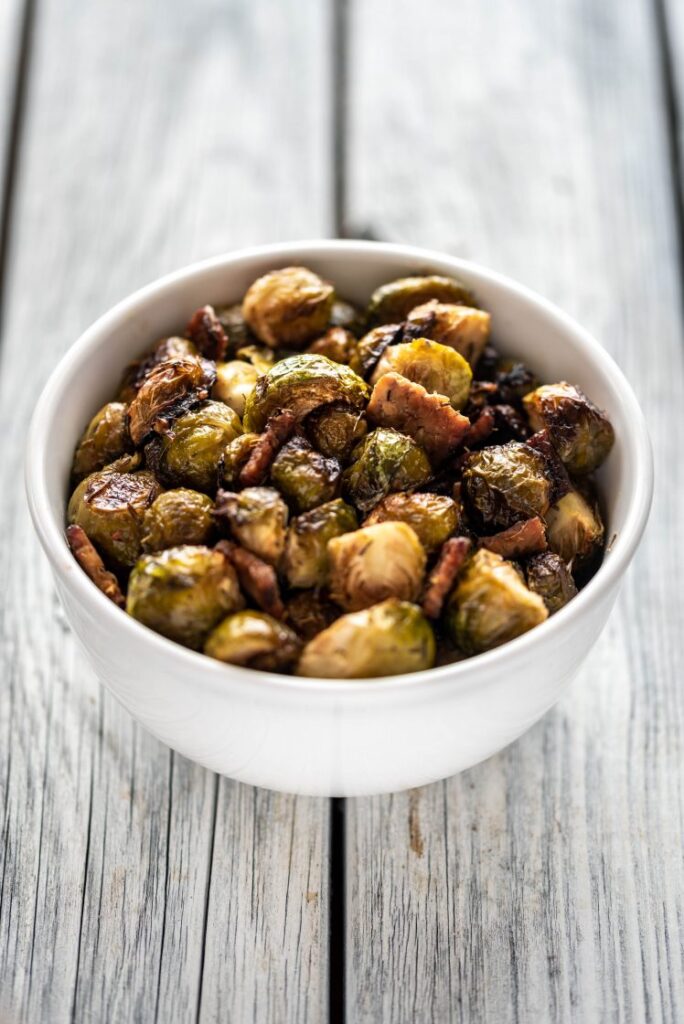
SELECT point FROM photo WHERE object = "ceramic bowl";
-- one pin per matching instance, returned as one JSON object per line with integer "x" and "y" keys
{"x": 346, "y": 737}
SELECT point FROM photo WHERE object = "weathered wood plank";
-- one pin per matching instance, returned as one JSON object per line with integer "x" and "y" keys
{"x": 546, "y": 884}
{"x": 152, "y": 137}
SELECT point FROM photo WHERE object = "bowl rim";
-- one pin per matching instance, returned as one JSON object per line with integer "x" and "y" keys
{"x": 462, "y": 674}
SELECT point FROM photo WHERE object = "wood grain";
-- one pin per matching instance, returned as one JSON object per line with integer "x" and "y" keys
{"x": 149, "y": 140}
{"x": 547, "y": 883}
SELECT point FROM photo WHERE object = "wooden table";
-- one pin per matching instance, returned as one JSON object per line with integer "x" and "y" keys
{"x": 537, "y": 137}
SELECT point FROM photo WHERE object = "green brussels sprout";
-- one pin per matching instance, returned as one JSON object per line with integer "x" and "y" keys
{"x": 306, "y": 561}
{"x": 190, "y": 455}
{"x": 106, "y": 438}
{"x": 491, "y": 605}
{"x": 391, "y": 303}
{"x": 337, "y": 344}
{"x": 335, "y": 429}
{"x": 234, "y": 381}
{"x": 440, "y": 369}
{"x": 385, "y": 461}
{"x": 462, "y": 328}
{"x": 302, "y": 383}
{"x": 257, "y": 518}
{"x": 234, "y": 324}
{"x": 235, "y": 456}
{"x": 549, "y": 576}
{"x": 304, "y": 476}
{"x": 433, "y": 517}
{"x": 177, "y": 517}
{"x": 580, "y": 431}
{"x": 288, "y": 307}
{"x": 345, "y": 314}
{"x": 376, "y": 562}
{"x": 371, "y": 347}
{"x": 386, "y": 640}
{"x": 574, "y": 529}
{"x": 254, "y": 639}
{"x": 310, "y": 611}
{"x": 110, "y": 505}
{"x": 183, "y": 592}
{"x": 506, "y": 483}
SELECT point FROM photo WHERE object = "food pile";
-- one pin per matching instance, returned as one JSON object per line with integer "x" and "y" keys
{"x": 297, "y": 485}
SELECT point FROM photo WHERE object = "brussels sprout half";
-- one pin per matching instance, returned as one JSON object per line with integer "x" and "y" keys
{"x": 574, "y": 529}
{"x": 106, "y": 438}
{"x": 391, "y": 303}
{"x": 178, "y": 517}
{"x": 337, "y": 344}
{"x": 183, "y": 592}
{"x": 580, "y": 431}
{"x": 385, "y": 461}
{"x": 189, "y": 456}
{"x": 506, "y": 483}
{"x": 110, "y": 507}
{"x": 433, "y": 517}
{"x": 301, "y": 384}
{"x": 440, "y": 369}
{"x": 303, "y": 476}
{"x": 254, "y": 639}
{"x": 374, "y": 563}
{"x": 234, "y": 381}
{"x": 288, "y": 307}
{"x": 464, "y": 329}
{"x": 385, "y": 640}
{"x": 257, "y": 518}
{"x": 491, "y": 605}
{"x": 306, "y": 562}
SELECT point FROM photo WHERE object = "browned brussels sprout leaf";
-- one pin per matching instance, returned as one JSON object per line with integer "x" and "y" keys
{"x": 310, "y": 611}
{"x": 372, "y": 345}
{"x": 165, "y": 349}
{"x": 168, "y": 390}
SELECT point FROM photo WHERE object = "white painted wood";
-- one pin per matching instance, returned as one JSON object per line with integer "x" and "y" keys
{"x": 548, "y": 883}
{"x": 155, "y": 134}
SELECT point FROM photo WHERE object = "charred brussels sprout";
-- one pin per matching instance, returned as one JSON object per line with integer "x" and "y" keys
{"x": 580, "y": 431}
{"x": 305, "y": 477}
{"x": 491, "y": 605}
{"x": 574, "y": 529}
{"x": 234, "y": 381}
{"x": 301, "y": 384}
{"x": 106, "y": 438}
{"x": 110, "y": 507}
{"x": 235, "y": 456}
{"x": 288, "y": 307}
{"x": 440, "y": 369}
{"x": 165, "y": 349}
{"x": 371, "y": 347}
{"x": 391, "y": 303}
{"x": 183, "y": 592}
{"x": 306, "y": 561}
{"x": 255, "y": 640}
{"x": 385, "y": 461}
{"x": 257, "y": 518}
{"x": 549, "y": 576}
{"x": 506, "y": 483}
{"x": 178, "y": 517}
{"x": 337, "y": 344}
{"x": 433, "y": 517}
{"x": 376, "y": 562}
{"x": 190, "y": 455}
{"x": 390, "y": 638}
{"x": 168, "y": 390}
{"x": 462, "y": 328}
{"x": 335, "y": 429}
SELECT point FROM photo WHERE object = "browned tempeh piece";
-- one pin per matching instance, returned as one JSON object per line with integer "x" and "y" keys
{"x": 519, "y": 540}
{"x": 88, "y": 558}
{"x": 429, "y": 419}
{"x": 277, "y": 431}
{"x": 256, "y": 577}
{"x": 443, "y": 577}
{"x": 206, "y": 331}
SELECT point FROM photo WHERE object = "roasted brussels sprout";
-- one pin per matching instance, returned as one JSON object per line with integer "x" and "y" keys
{"x": 548, "y": 575}
{"x": 164, "y": 350}
{"x": 260, "y": 357}
{"x": 372, "y": 345}
{"x": 462, "y": 328}
{"x": 390, "y": 638}
{"x": 183, "y": 592}
{"x": 376, "y": 562}
{"x": 301, "y": 384}
{"x": 257, "y": 518}
{"x": 391, "y": 303}
{"x": 580, "y": 431}
{"x": 234, "y": 381}
{"x": 234, "y": 325}
{"x": 177, "y": 517}
{"x": 337, "y": 344}
{"x": 433, "y": 517}
{"x": 288, "y": 307}
{"x": 190, "y": 455}
{"x": 110, "y": 506}
{"x": 491, "y": 605}
{"x": 304, "y": 476}
{"x": 306, "y": 560}
{"x": 574, "y": 529}
{"x": 106, "y": 438}
{"x": 385, "y": 461}
{"x": 168, "y": 390}
{"x": 310, "y": 611}
{"x": 255, "y": 640}
{"x": 235, "y": 455}
{"x": 506, "y": 483}
{"x": 335, "y": 429}
{"x": 440, "y": 369}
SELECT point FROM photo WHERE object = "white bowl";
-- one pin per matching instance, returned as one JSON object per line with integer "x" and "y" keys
{"x": 335, "y": 738}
